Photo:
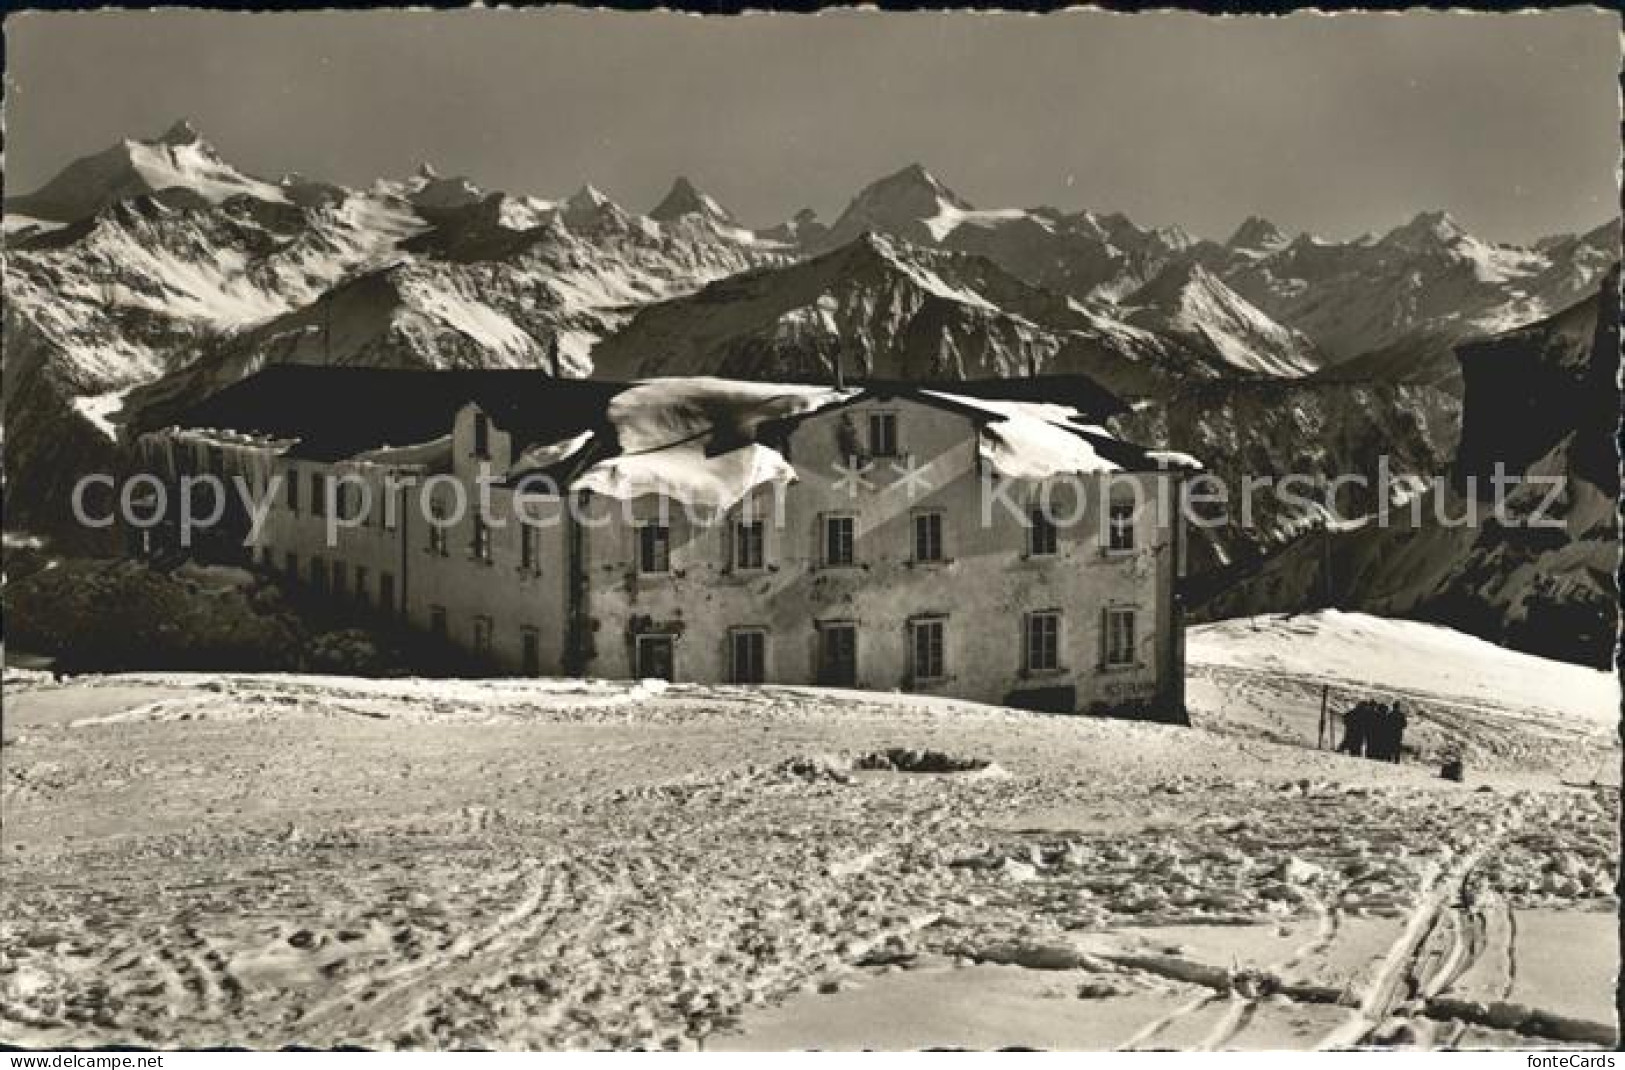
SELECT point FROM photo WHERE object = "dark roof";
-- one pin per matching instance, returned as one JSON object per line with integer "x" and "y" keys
{"x": 1078, "y": 391}
{"x": 339, "y": 412}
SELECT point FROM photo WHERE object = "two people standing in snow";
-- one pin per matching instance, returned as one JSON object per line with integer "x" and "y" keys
{"x": 1374, "y": 730}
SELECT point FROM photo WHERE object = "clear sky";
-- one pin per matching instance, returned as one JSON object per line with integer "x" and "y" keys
{"x": 1333, "y": 124}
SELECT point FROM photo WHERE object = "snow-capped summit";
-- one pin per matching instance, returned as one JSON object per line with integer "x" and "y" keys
{"x": 589, "y": 213}
{"x": 905, "y": 203}
{"x": 684, "y": 200}
{"x": 1436, "y": 226}
{"x": 588, "y": 198}
{"x": 430, "y": 190}
{"x": 1191, "y": 303}
{"x": 803, "y": 229}
{"x": 181, "y": 132}
{"x": 177, "y": 163}
{"x": 1257, "y": 234}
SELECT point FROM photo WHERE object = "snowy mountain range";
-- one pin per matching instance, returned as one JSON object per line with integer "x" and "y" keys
{"x": 1540, "y": 400}
{"x": 882, "y": 307}
{"x": 153, "y": 272}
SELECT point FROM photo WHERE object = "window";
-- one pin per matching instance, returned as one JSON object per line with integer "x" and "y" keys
{"x": 749, "y": 544}
{"x": 318, "y": 501}
{"x": 482, "y": 435}
{"x": 482, "y": 636}
{"x": 530, "y": 652}
{"x": 437, "y": 529}
{"x": 838, "y": 540}
{"x": 1119, "y": 639}
{"x": 340, "y": 579}
{"x": 1040, "y": 532}
{"x": 928, "y": 537}
{"x": 361, "y": 584}
{"x": 1043, "y": 641}
{"x": 1120, "y": 527}
{"x": 386, "y": 591}
{"x": 654, "y": 548}
{"x": 655, "y": 657}
{"x": 292, "y": 486}
{"x": 747, "y": 661}
{"x": 527, "y": 547}
{"x": 883, "y": 434}
{"x": 481, "y": 544}
{"x": 838, "y": 654}
{"x": 927, "y": 661}
{"x": 437, "y": 621}
{"x": 290, "y": 566}
{"x": 318, "y": 574}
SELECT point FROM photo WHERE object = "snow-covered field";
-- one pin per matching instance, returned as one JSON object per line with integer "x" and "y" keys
{"x": 265, "y": 860}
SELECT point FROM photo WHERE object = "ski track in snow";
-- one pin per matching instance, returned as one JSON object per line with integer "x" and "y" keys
{"x": 265, "y": 860}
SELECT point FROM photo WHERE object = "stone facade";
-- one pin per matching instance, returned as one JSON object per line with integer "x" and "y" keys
{"x": 895, "y": 560}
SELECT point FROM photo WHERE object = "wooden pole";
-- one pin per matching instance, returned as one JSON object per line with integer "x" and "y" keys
{"x": 1326, "y": 564}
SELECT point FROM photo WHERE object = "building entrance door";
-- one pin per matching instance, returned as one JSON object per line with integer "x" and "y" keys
{"x": 838, "y": 655}
{"x": 655, "y": 657}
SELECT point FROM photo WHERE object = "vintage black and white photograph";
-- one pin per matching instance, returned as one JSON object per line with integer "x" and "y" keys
{"x": 566, "y": 529}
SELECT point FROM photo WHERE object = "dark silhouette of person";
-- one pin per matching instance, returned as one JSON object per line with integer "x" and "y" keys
{"x": 1388, "y": 726}
{"x": 1397, "y": 723}
{"x": 1377, "y": 743}
{"x": 1357, "y": 728}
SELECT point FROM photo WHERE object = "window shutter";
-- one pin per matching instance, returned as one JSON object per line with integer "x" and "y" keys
{"x": 1105, "y": 635}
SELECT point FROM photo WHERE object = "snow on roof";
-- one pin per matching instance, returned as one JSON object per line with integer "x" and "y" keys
{"x": 1174, "y": 459}
{"x": 692, "y": 439}
{"x": 698, "y": 440}
{"x": 215, "y": 436}
{"x": 549, "y": 454}
{"x": 435, "y": 453}
{"x": 684, "y": 473}
{"x": 1034, "y": 440}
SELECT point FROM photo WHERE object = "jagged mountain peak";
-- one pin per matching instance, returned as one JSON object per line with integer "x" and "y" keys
{"x": 874, "y": 249}
{"x": 1187, "y": 300}
{"x": 684, "y": 199}
{"x": 903, "y": 202}
{"x": 177, "y": 163}
{"x": 431, "y": 190}
{"x": 180, "y": 132}
{"x": 914, "y": 180}
{"x": 1172, "y": 281}
{"x": 1435, "y": 225}
{"x": 1257, "y": 233}
{"x": 586, "y": 199}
